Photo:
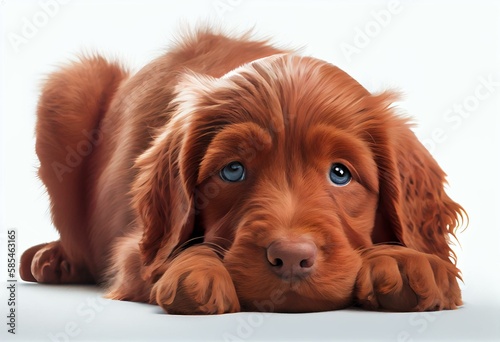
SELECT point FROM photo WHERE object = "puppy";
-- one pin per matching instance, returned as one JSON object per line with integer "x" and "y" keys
{"x": 230, "y": 175}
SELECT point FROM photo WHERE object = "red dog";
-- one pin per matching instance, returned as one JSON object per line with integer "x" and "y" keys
{"x": 231, "y": 175}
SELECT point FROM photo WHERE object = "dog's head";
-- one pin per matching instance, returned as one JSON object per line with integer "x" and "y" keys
{"x": 286, "y": 163}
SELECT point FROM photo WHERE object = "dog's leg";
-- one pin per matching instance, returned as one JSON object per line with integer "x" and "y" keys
{"x": 73, "y": 102}
{"x": 123, "y": 277}
{"x": 196, "y": 282}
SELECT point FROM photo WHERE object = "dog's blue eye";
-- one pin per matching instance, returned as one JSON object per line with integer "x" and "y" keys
{"x": 233, "y": 172}
{"x": 340, "y": 174}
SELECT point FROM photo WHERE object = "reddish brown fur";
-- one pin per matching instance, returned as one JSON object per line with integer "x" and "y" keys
{"x": 144, "y": 208}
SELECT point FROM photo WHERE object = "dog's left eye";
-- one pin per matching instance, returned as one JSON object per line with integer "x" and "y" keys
{"x": 233, "y": 172}
{"x": 340, "y": 174}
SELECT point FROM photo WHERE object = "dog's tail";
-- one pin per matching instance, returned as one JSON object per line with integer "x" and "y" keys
{"x": 73, "y": 102}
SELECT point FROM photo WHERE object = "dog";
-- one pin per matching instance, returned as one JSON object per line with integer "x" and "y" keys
{"x": 231, "y": 175}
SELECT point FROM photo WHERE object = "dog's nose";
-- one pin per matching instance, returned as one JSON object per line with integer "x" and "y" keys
{"x": 291, "y": 260}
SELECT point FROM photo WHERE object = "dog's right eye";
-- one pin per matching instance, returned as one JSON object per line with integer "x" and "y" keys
{"x": 233, "y": 172}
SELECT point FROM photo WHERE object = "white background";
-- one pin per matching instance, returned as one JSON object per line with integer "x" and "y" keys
{"x": 438, "y": 56}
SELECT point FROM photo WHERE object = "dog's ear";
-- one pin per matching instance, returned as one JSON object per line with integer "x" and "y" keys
{"x": 162, "y": 200}
{"x": 413, "y": 209}
{"x": 165, "y": 187}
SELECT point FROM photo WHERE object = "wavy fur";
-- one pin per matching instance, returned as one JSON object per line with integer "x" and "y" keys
{"x": 145, "y": 211}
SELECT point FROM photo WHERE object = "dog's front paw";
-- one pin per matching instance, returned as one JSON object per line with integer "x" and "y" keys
{"x": 395, "y": 278}
{"x": 196, "y": 282}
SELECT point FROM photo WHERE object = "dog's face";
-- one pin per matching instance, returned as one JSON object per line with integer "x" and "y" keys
{"x": 280, "y": 167}
{"x": 296, "y": 208}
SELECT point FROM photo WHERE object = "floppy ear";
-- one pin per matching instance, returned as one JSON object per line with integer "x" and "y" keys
{"x": 165, "y": 186}
{"x": 414, "y": 208}
{"x": 161, "y": 199}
